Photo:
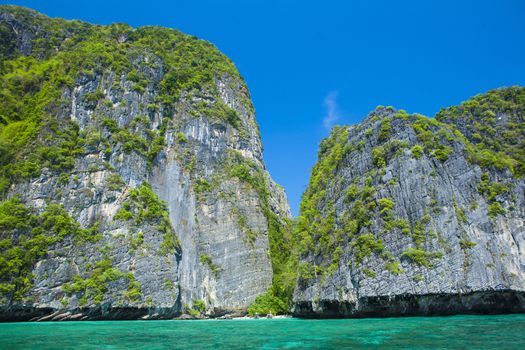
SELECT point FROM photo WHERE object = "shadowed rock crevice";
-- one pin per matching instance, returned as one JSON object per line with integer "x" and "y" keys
{"x": 479, "y": 303}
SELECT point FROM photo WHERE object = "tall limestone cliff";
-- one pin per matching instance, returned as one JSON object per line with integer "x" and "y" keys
{"x": 409, "y": 215}
{"x": 131, "y": 175}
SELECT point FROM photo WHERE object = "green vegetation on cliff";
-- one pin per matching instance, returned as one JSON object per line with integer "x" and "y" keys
{"x": 33, "y": 82}
{"x": 25, "y": 237}
{"x": 144, "y": 205}
{"x": 94, "y": 287}
{"x": 493, "y": 121}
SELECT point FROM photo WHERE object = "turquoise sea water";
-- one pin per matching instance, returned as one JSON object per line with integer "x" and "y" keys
{"x": 456, "y": 332}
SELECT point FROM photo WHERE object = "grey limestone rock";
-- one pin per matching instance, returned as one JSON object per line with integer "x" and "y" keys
{"x": 424, "y": 240}
{"x": 211, "y": 257}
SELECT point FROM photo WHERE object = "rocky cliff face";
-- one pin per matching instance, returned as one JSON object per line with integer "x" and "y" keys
{"x": 409, "y": 215}
{"x": 131, "y": 177}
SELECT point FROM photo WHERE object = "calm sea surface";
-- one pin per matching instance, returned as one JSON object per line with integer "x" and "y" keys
{"x": 456, "y": 332}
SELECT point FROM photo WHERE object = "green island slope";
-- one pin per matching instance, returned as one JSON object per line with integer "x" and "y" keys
{"x": 408, "y": 215}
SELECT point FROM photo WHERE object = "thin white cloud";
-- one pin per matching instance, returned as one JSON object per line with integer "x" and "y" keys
{"x": 330, "y": 102}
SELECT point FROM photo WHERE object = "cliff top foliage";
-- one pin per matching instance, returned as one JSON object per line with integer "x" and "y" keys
{"x": 493, "y": 120}
{"x": 43, "y": 57}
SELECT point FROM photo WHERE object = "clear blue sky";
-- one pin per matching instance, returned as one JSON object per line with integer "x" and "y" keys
{"x": 311, "y": 65}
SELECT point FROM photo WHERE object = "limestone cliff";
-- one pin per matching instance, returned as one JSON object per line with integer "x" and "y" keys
{"x": 409, "y": 215}
{"x": 131, "y": 175}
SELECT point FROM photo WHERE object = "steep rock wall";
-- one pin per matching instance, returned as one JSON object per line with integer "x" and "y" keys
{"x": 141, "y": 176}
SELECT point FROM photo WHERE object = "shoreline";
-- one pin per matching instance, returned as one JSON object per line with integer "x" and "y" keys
{"x": 66, "y": 318}
{"x": 475, "y": 303}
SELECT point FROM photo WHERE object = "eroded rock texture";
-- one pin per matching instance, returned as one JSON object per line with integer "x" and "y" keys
{"x": 404, "y": 215}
